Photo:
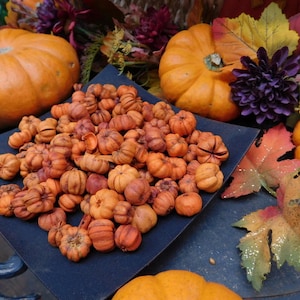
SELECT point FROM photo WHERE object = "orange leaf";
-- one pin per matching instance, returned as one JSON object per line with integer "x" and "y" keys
{"x": 230, "y": 41}
{"x": 260, "y": 167}
{"x": 242, "y": 36}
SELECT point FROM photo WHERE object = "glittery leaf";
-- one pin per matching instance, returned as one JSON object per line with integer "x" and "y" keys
{"x": 242, "y": 36}
{"x": 256, "y": 256}
{"x": 270, "y": 238}
{"x": 260, "y": 166}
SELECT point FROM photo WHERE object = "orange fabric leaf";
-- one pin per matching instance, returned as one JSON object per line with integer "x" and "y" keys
{"x": 260, "y": 166}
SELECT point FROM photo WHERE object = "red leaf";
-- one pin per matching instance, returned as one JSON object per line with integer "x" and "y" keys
{"x": 295, "y": 25}
{"x": 260, "y": 166}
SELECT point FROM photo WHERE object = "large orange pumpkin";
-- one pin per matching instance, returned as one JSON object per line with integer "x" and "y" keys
{"x": 37, "y": 71}
{"x": 193, "y": 77}
{"x": 172, "y": 285}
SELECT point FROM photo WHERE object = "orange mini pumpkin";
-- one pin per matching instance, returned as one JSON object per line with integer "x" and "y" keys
{"x": 52, "y": 218}
{"x": 138, "y": 191}
{"x": 101, "y": 232}
{"x": 183, "y": 123}
{"x": 212, "y": 149}
{"x": 102, "y": 204}
{"x": 9, "y": 166}
{"x": 6, "y": 208}
{"x": 159, "y": 165}
{"x": 75, "y": 243}
{"x": 128, "y": 237}
{"x": 120, "y": 176}
{"x": 144, "y": 218}
{"x": 209, "y": 177}
{"x": 188, "y": 204}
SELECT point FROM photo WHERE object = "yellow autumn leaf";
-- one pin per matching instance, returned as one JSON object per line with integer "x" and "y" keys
{"x": 274, "y": 32}
{"x": 242, "y": 36}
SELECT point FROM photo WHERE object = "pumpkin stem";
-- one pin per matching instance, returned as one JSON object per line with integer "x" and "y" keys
{"x": 214, "y": 62}
{"x": 85, "y": 221}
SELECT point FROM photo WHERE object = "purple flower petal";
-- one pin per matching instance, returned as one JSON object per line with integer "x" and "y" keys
{"x": 268, "y": 90}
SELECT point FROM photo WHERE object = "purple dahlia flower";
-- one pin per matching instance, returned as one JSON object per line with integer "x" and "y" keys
{"x": 267, "y": 89}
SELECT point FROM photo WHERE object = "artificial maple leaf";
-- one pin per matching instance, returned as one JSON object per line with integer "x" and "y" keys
{"x": 242, "y": 36}
{"x": 260, "y": 166}
{"x": 274, "y": 233}
{"x": 295, "y": 25}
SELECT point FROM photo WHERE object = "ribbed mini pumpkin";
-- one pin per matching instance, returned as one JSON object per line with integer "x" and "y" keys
{"x": 37, "y": 71}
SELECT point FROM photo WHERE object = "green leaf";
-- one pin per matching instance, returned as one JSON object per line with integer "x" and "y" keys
{"x": 256, "y": 256}
{"x": 285, "y": 243}
{"x": 273, "y": 28}
{"x": 88, "y": 58}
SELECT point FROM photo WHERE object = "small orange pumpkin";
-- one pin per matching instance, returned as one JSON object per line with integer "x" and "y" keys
{"x": 73, "y": 181}
{"x": 120, "y": 176}
{"x": 75, "y": 243}
{"x": 167, "y": 184}
{"x": 138, "y": 191}
{"x": 9, "y": 166}
{"x": 163, "y": 203}
{"x": 163, "y": 111}
{"x": 128, "y": 237}
{"x": 176, "y": 145}
{"x": 209, "y": 177}
{"x": 144, "y": 218}
{"x": 188, "y": 184}
{"x": 52, "y": 218}
{"x": 183, "y": 123}
{"x": 159, "y": 165}
{"x": 55, "y": 164}
{"x": 6, "y": 208}
{"x": 101, "y": 232}
{"x": 123, "y": 212}
{"x": 69, "y": 202}
{"x": 39, "y": 199}
{"x": 188, "y": 204}
{"x": 212, "y": 149}
{"x": 56, "y": 232}
{"x": 19, "y": 138}
{"x": 92, "y": 163}
{"x": 20, "y": 210}
{"x": 125, "y": 154}
{"x": 102, "y": 204}
{"x": 109, "y": 140}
